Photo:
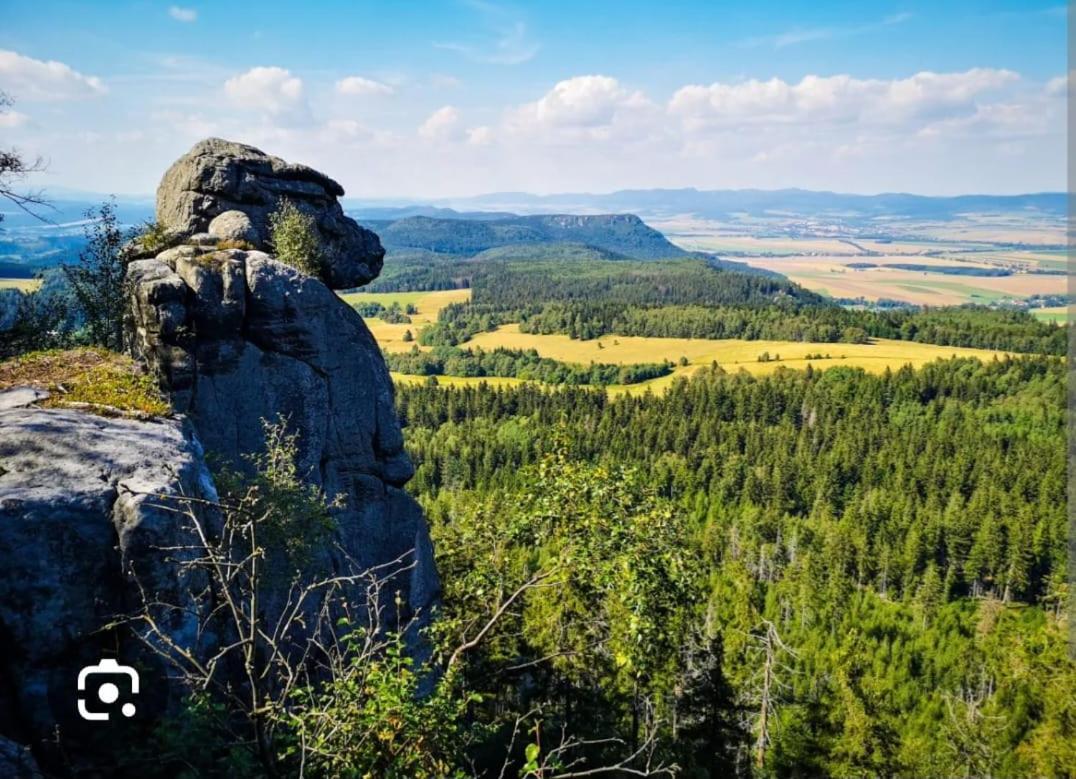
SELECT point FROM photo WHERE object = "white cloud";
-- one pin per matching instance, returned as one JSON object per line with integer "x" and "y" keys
{"x": 1057, "y": 86}
{"x": 442, "y": 125}
{"x": 273, "y": 91}
{"x": 835, "y": 99}
{"x": 594, "y": 107}
{"x": 361, "y": 86}
{"x": 181, "y": 14}
{"x": 12, "y": 119}
{"x": 480, "y": 136}
{"x": 25, "y": 78}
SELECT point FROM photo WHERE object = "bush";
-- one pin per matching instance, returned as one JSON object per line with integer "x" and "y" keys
{"x": 295, "y": 239}
{"x": 153, "y": 239}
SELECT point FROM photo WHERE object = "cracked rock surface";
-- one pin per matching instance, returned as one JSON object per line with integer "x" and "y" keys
{"x": 76, "y": 517}
{"x": 218, "y": 177}
{"x": 237, "y": 338}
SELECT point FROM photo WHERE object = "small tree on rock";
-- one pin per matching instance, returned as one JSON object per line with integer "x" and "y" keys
{"x": 295, "y": 239}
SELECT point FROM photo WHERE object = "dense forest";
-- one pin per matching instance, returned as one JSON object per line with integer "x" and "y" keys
{"x": 621, "y": 234}
{"x": 811, "y": 573}
{"x": 518, "y": 363}
{"x": 694, "y": 299}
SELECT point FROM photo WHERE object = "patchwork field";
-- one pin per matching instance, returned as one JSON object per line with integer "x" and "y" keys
{"x": 458, "y": 381}
{"x": 26, "y": 285}
{"x": 391, "y": 336}
{"x": 834, "y": 277}
{"x": 730, "y": 354}
{"x": 819, "y": 254}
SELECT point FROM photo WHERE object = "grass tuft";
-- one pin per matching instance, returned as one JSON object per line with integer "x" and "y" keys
{"x": 95, "y": 379}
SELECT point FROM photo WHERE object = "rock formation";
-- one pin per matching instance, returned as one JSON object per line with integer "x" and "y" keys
{"x": 235, "y": 338}
{"x": 218, "y": 177}
{"x": 238, "y": 338}
{"x": 75, "y": 517}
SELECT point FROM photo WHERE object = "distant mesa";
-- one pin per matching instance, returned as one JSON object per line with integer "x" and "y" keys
{"x": 218, "y": 182}
{"x": 625, "y": 235}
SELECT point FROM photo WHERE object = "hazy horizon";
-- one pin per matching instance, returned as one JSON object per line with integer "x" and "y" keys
{"x": 71, "y": 193}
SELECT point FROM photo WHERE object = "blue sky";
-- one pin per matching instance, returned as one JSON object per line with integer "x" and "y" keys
{"x": 436, "y": 99}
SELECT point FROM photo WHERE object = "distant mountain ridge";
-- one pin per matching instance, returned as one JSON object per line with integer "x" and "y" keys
{"x": 718, "y": 203}
{"x": 620, "y": 234}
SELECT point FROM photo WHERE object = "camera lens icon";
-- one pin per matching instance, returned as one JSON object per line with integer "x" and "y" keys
{"x": 104, "y": 679}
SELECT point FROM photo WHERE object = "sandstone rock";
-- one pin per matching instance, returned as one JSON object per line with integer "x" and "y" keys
{"x": 218, "y": 176}
{"x": 17, "y": 397}
{"x": 249, "y": 339}
{"x": 233, "y": 226}
{"x": 76, "y": 518}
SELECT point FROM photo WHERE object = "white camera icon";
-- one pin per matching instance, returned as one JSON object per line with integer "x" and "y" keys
{"x": 107, "y": 691}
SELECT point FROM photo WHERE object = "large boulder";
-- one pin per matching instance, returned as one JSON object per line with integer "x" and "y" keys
{"x": 218, "y": 176}
{"x": 79, "y": 520}
{"x": 238, "y": 338}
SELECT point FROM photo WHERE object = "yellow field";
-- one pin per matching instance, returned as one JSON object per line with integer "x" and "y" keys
{"x": 747, "y": 244}
{"x": 26, "y": 285}
{"x": 458, "y": 381}
{"x": 730, "y": 354}
{"x": 390, "y": 336}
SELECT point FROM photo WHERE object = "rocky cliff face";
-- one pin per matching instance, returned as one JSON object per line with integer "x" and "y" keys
{"x": 238, "y": 338}
{"x": 235, "y": 337}
{"x": 75, "y": 519}
{"x": 219, "y": 177}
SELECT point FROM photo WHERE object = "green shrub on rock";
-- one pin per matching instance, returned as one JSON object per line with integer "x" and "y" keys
{"x": 295, "y": 239}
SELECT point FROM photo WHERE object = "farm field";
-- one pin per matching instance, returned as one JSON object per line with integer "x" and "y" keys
{"x": 750, "y": 245}
{"x": 25, "y": 285}
{"x": 833, "y": 276}
{"x": 391, "y": 336}
{"x": 458, "y": 381}
{"x": 731, "y": 354}
{"x": 816, "y": 253}
{"x": 1058, "y": 314}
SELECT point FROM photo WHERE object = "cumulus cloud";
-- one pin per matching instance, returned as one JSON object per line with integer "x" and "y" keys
{"x": 442, "y": 125}
{"x": 1057, "y": 86}
{"x": 362, "y": 86}
{"x": 181, "y": 14}
{"x": 273, "y": 91}
{"x": 26, "y": 78}
{"x": 480, "y": 136}
{"x": 835, "y": 99}
{"x": 592, "y": 107}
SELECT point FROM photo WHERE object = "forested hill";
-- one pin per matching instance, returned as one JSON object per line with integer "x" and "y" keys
{"x": 621, "y": 234}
